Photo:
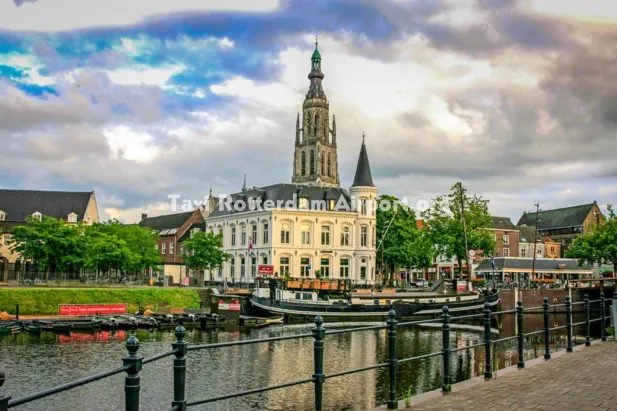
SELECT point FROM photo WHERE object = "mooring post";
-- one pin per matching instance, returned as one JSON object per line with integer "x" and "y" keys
{"x": 488, "y": 369}
{"x": 131, "y": 381}
{"x": 603, "y": 315}
{"x": 521, "y": 334}
{"x": 570, "y": 348}
{"x": 587, "y": 322}
{"x": 446, "y": 387}
{"x": 17, "y": 311}
{"x": 4, "y": 399}
{"x": 318, "y": 376}
{"x": 180, "y": 347}
{"x": 547, "y": 330}
{"x": 392, "y": 324}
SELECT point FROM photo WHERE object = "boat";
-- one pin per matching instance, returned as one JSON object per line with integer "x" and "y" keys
{"x": 85, "y": 324}
{"x": 32, "y": 328}
{"x": 53, "y": 325}
{"x": 336, "y": 301}
{"x": 10, "y": 327}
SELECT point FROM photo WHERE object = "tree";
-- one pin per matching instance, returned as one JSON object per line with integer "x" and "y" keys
{"x": 204, "y": 252}
{"x": 445, "y": 224}
{"x": 599, "y": 244}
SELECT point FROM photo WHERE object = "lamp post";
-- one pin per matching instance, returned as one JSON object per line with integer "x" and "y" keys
{"x": 535, "y": 242}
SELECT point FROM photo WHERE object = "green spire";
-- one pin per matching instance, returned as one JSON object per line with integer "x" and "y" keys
{"x": 316, "y": 55}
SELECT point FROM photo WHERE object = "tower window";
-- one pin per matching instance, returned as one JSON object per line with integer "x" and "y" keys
{"x": 312, "y": 163}
{"x": 303, "y": 163}
{"x": 316, "y": 125}
{"x": 323, "y": 163}
{"x": 329, "y": 165}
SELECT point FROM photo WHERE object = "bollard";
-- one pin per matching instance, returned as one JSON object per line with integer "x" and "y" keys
{"x": 587, "y": 323}
{"x": 488, "y": 369}
{"x": 547, "y": 330}
{"x": 318, "y": 375}
{"x": 180, "y": 347}
{"x": 131, "y": 381}
{"x": 521, "y": 334}
{"x": 603, "y": 316}
{"x": 569, "y": 323}
{"x": 392, "y": 324}
{"x": 446, "y": 388}
{"x": 17, "y": 311}
{"x": 4, "y": 400}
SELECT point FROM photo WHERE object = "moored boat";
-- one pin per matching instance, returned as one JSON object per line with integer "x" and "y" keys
{"x": 10, "y": 327}
{"x": 32, "y": 328}
{"x": 53, "y": 326}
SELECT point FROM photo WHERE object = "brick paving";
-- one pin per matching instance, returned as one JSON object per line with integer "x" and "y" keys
{"x": 585, "y": 380}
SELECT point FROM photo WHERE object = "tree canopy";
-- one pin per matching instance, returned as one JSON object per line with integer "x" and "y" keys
{"x": 205, "y": 251}
{"x": 599, "y": 244}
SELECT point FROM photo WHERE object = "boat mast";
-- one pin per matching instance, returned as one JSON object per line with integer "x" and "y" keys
{"x": 460, "y": 191}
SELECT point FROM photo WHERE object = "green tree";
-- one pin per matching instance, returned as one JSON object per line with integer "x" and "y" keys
{"x": 105, "y": 252}
{"x": 599, "y": 244}
{"x": 204, "y": 252}
{"x": 445, "y": 224}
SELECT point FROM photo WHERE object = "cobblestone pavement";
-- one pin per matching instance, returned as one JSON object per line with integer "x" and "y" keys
{"x": 583, "y": 380}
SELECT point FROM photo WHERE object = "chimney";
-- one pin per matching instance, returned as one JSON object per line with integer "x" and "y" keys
{"x": 144, "y": 216}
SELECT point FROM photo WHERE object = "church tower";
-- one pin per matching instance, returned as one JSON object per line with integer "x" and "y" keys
{"x": 315, "y": 158}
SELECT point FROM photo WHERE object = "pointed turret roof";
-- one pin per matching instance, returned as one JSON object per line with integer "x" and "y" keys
{"x": 363, "y": 176}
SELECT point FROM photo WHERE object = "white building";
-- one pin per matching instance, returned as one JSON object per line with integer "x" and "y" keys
{"x": 311, "y": 224}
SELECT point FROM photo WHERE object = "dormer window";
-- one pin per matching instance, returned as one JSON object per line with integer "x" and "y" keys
{"x": 37, "y": 216}
{"x": 2, "y": 215}
{"x": 303, "y": 203}
{"x": 72, "y": 218}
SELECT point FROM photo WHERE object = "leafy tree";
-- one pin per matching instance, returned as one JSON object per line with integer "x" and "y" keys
{"x": 599, "y": 244}
{"x": 106, "y": 252}
{"x": 204, "y": 251}
{"x": 445, "y": 224}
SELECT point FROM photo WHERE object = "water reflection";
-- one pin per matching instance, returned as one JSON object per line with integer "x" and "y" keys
{"x": 36, "y": 362}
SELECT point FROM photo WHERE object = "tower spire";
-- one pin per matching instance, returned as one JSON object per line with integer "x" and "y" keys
{"x": 363, "y": 177}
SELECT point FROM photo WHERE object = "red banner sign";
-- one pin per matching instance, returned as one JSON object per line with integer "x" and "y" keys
{"x": 266, "y": 269}
{"x": 233, "y": 305}
{"x": 93, "y": 309}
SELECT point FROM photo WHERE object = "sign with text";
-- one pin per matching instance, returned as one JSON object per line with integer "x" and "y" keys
{"x": 461, "y": 285}
{"x": 88, "y": 309}
{"x": 266, "y": 269}
{"x": 231, "y": 305}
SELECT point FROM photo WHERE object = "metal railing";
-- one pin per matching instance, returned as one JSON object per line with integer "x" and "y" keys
{"x": 133, "y": 362}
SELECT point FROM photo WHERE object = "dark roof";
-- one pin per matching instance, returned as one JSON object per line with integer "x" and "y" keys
{"x": 502, "y": 223}
{"x": 166, "y": 221}
{"x": 363, "y": 176}
{"x": 512, "y": 264}
{"x": 285, "y": 192}
{"x": 19, "y": 204}
{"x": 187, "y": 232}
{"x": 526, "y": 234}
{"x": 558, "y": 218}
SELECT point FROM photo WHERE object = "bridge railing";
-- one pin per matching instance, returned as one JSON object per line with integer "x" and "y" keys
{"x": 133, "y": 362}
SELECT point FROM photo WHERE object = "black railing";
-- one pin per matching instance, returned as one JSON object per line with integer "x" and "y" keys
{"x": 133, "y": 362}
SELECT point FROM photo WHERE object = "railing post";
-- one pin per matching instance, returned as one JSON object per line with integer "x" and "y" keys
{"x": 131, "y": 381}
{"x": 318, "y": 376}
{"x": 4, "y": 400}
{"x": 547, "y": 330}
{"x": 570, "y": 348}
{"x": 488, "y": 368}
{"x": 180, "y": 347}
{"x": 587, "y": 323}
{"x": 446, "y": 388}
{"x": 603, "y": 316}
{"x": 392, "y": 324}
{"x": 521, "y": 334}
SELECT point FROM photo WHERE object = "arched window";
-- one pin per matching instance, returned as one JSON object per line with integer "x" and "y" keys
{"x": 312, "y": 163}
{"x": 329, "y": 165}
{"x": 323, "y": 163}
{"x": 303, "y": 163}
{"x": 316, "y": 124}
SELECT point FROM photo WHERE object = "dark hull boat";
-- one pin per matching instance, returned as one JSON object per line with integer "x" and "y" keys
{"x": 53, "y": 326}
{"x": 10, "y": 327}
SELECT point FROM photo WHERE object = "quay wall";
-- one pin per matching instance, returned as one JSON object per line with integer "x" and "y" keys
{"x": 45, "y": 301}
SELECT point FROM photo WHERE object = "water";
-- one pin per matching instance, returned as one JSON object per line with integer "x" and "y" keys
{"x": 33, "y": 363}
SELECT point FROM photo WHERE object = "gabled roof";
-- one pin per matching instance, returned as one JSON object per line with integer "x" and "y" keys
{"x": 19, "y": 204}
{"x": 502, "y": 223}
{"x": 526, "y": 234}
{"x": 363, "y": 177}
{"x": 187, "y": 233}
{"x": 558, "y": 218}
{"x": 166, "y": 221}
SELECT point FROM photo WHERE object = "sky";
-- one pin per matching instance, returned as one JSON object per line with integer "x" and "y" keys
{"x": 143, "y": 99}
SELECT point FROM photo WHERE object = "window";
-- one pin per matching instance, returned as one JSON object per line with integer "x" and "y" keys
{"x": 523, "y": 252}
{"x": 345, "y": 235}
{"x": 344, "y": 267}
{"x": 325, "y": 267}
{"x": 506, "y": 239}
{"x": 37, "y": 216}
{"x": 284, "y": 266}
{"x": 552, "y": 249}
{"x": 506, "y": 252}
{"x": 221, "y": 234}
{"x": 331, "y": 204}
{"x": 312, "y": 163}
{"x": 305, "y": 234}
{"x": 243, "y": 234}
{"x": 363, "y": 273}
{"x": 232, "y": 267}
{"x": 233, "y": 236}
{"x": 242, "y": 266}
{"x": 372, "y": 273}
{"x": 265, "y": 234}
{"x": 6, "y": 238}
{"x": 494, "y": 237}
{"x": 253, "y": 267}
{"x": 303, "y": 203}
{"x": 539, "y": 251}
{"x": 305, "y": 264}
{"x": 373, "y": 237}
{"x": 323, "y": 163}
{"x": 329, "y": 165}
{"x": 2, "y": 216}
{"x": 181, "y": 249}
{"x": 363, "y": 207}
{"x": 72, "y": 218}
{"x": 254, "y": 235}
{"x": 163, "y": 248}
{"x": 264, "y": 259}
{"x": 363, "y": 235}
{"x": 171, "y": 247}
{"x": 285, "y": 237}
{"x": 303, "y": 164}
{"x": 220, "y": 272}
{"x": 325, "y": 235}
{"x": 156, "y": 247}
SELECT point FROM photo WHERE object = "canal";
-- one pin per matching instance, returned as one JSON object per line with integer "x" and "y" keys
{"x": 33, "y": 363}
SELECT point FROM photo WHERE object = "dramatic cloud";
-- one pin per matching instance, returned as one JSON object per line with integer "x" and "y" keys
{"x": 515, "y": 98}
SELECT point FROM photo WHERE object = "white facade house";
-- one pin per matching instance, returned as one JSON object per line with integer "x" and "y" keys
{"x": 311, "y": 224}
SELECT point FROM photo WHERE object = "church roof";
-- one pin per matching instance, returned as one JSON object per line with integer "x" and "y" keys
{"x": 558, "y": 218}
{"x": 363, "y": 176}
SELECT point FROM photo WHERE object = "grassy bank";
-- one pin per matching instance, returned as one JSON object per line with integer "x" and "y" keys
{"x": 45, "y": 301}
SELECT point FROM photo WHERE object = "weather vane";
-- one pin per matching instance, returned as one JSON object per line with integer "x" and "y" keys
{"x": 316, "y": 41}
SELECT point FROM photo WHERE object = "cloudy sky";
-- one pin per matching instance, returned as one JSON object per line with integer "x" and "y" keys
{"x": 144, "y": 98}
